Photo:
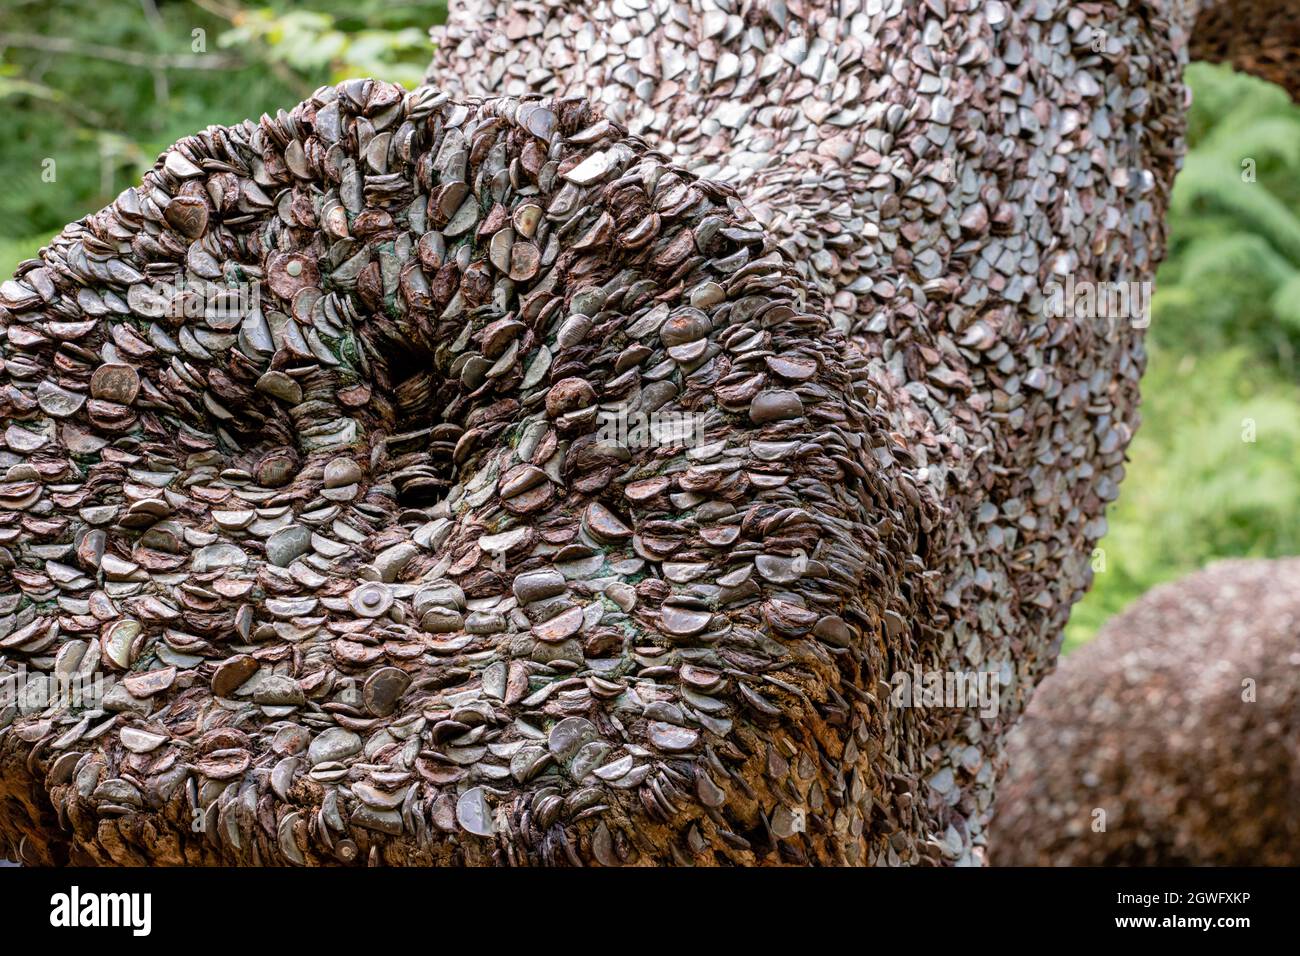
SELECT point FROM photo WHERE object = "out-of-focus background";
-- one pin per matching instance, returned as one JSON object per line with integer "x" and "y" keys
{"x": 92, "y": 90}
{"x": 102, "y": 86}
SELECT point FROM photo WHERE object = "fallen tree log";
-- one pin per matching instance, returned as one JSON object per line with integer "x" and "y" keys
{"x": 1170, "y": 738}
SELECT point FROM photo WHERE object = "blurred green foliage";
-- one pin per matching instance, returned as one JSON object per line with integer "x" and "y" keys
{"x": 101, "y": 87}
{"x": 309, "y": 41}
{"x": 1225, "y": 334}
{"x": 1223, "y": 345}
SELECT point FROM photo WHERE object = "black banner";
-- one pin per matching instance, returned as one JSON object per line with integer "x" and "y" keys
{"x": 147, "y": 906}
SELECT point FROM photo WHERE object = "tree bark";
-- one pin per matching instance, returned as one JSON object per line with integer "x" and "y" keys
{"x": 937, "y": 179}
{"x": 916, "y": 450}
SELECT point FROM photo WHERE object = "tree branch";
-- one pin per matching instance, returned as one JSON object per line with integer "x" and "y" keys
{"x": 161, "y": 88}
{"x": 171, "y": 61}
{"x": 218, "y": 9}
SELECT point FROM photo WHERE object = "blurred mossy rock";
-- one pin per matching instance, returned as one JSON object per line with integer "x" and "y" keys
{"x": 1177, "y": 728}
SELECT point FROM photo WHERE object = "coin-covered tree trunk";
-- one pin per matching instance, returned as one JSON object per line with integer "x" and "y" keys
{"x": 368, "y": 578}
{"x": 305, "y": 446}
{"x": 945, "y": 174}
{"x": 938, "y": 171}
{"x": 1171, "y": 738}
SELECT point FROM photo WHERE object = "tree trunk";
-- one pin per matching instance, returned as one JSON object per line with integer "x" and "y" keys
{"x": 937, "y": 174}
{"x": 435, "y": 611}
